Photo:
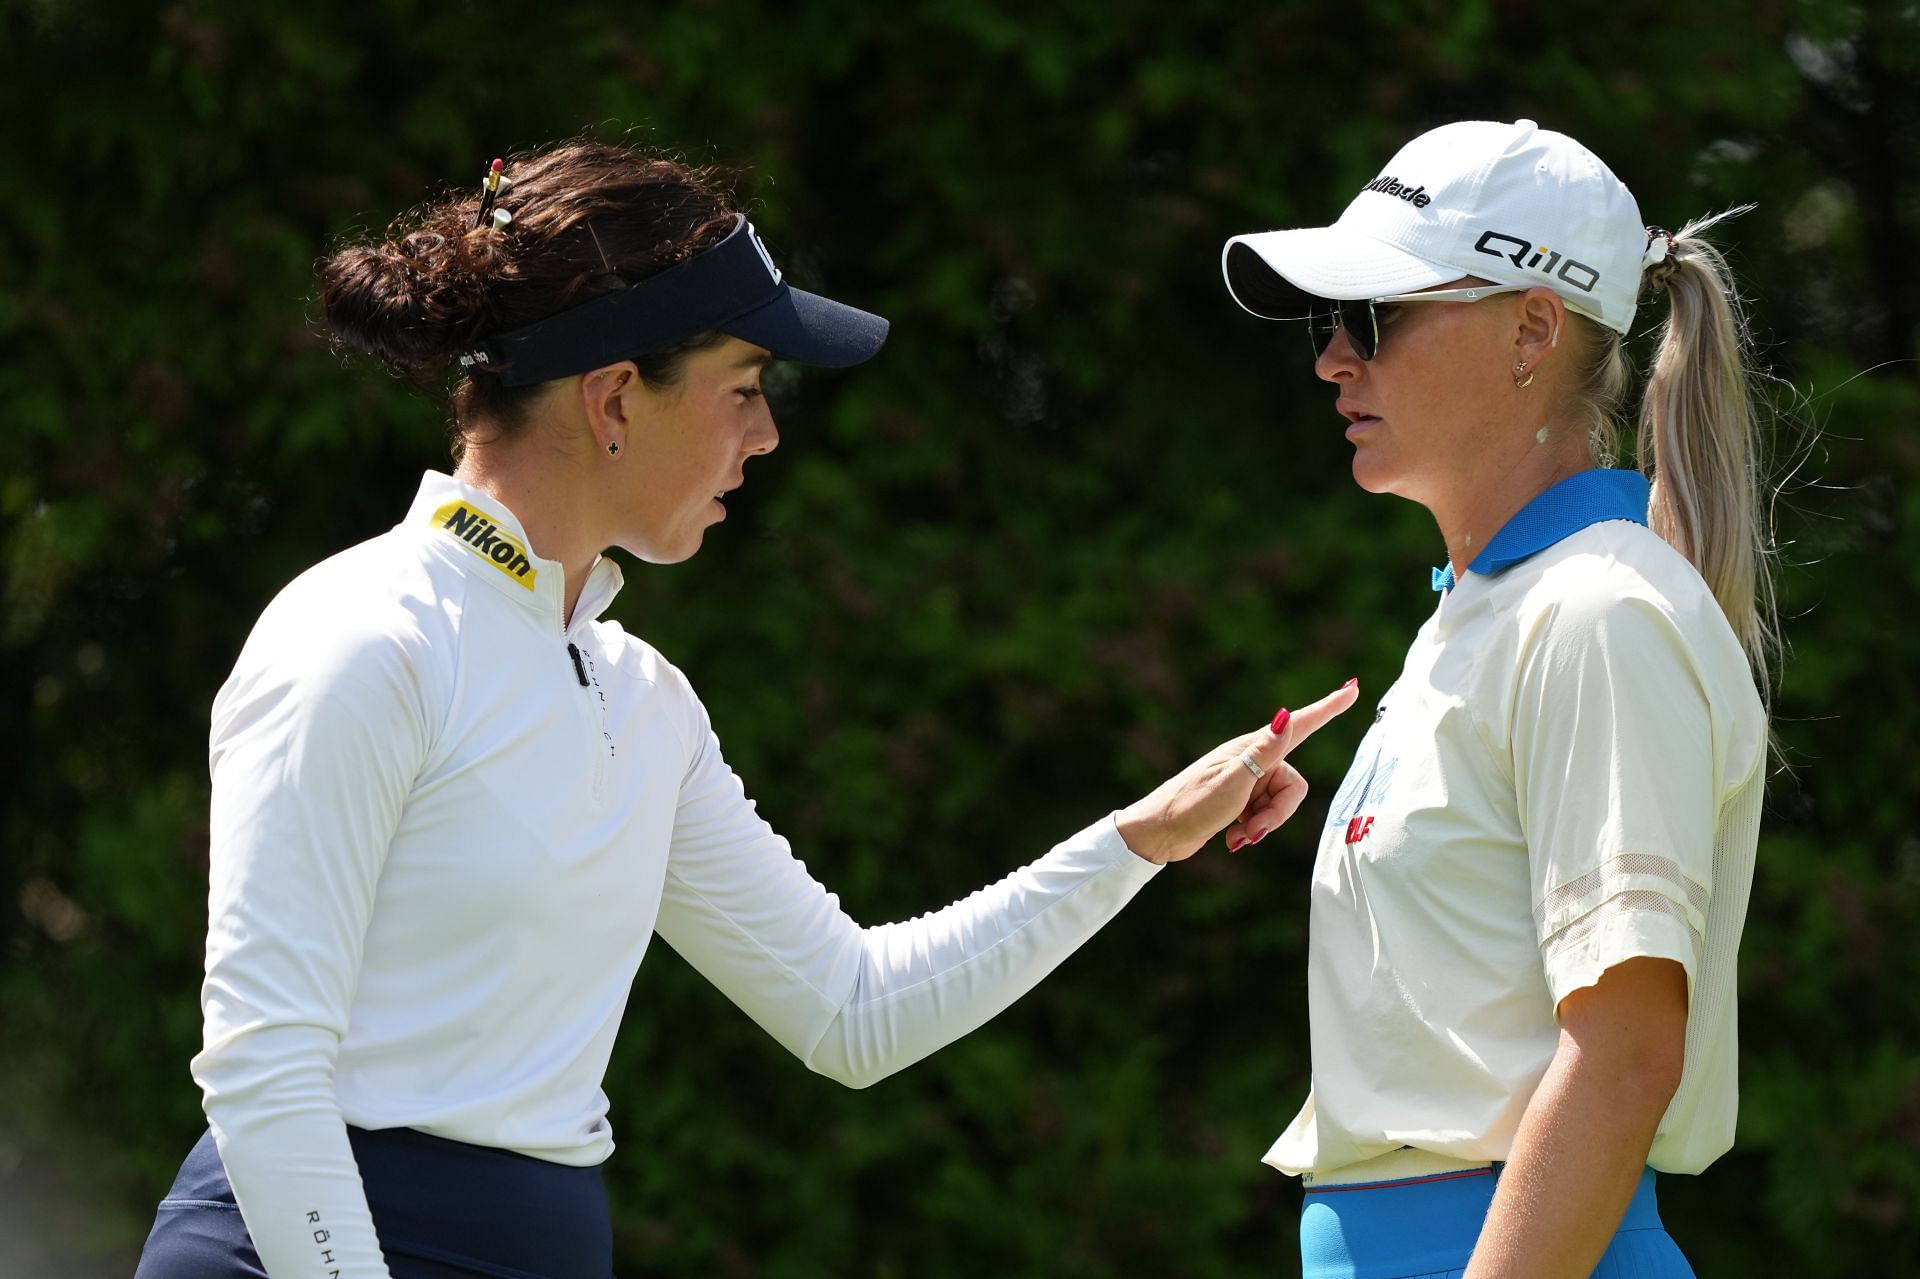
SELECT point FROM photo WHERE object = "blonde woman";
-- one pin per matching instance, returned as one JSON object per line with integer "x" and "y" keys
{"x": 1530, "y": 890}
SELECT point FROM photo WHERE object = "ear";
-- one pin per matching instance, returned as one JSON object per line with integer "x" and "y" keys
{"x": 1543, "y": 320}
{"x": 612, "y": 399}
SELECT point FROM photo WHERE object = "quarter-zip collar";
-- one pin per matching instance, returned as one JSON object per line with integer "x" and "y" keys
{"x": 493, "y": 548}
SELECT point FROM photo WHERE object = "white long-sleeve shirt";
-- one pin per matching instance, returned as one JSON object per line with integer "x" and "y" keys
{"x": 441, "y": 843}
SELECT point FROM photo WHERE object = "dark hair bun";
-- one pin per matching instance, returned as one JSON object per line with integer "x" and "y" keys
{"x": 416, "y": 300}
{"x": 585, "y": 217}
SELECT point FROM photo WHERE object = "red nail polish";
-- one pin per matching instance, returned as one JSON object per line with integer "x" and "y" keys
{"x": 1235, "y": 844}
{"x": 1280, "y": 719}
{"x": 1258, "y": 835}
{"x": 1350, "y": 683}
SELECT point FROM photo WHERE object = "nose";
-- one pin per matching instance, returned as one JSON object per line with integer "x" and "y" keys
{"x": 763, "y": 437}
{"x": 1338, "y": 361}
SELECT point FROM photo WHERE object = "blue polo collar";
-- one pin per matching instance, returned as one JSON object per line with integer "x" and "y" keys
{"x": 1555, "y": 514}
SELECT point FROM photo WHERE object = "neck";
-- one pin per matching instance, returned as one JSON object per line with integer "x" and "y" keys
{"x": 1481, "y": 502}
{"x": 543, "y": 490}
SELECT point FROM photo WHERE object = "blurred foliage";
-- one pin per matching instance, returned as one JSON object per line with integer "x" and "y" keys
{"x": 1082, "y": 519}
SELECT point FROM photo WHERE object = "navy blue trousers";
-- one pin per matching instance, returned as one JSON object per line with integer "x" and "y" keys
{"x": 443, "y": 1210}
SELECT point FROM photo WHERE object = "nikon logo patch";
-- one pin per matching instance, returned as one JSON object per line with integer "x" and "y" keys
{"x": 484, "y": 536}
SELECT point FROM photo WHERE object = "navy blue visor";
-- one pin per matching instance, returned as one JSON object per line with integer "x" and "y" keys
{"x": 733, "y": 287}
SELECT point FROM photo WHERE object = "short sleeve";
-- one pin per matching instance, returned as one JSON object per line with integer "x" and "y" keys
{"x": 1614, "y": 779}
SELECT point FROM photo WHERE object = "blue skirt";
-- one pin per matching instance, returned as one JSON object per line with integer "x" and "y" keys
{"x": 443, "y": 1210}
{"x": 1425, "y": 1228}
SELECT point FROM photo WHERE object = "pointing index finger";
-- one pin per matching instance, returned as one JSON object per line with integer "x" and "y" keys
{"x": 1310, "y": 719}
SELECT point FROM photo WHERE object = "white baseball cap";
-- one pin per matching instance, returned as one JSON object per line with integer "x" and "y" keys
{"x": 1511, "y": 203}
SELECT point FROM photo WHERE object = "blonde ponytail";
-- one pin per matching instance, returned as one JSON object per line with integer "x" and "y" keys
{"x": 1699, "y": 441}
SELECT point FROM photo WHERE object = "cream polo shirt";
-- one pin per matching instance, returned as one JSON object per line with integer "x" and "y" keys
{"x": 1566, "y": 775}
{"x": 446, "y": 823}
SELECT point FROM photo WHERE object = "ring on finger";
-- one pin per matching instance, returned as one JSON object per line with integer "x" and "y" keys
{"x": 1246, "y": 757}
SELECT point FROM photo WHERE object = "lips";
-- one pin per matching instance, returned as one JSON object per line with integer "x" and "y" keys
{"x": 1354, "y": 411}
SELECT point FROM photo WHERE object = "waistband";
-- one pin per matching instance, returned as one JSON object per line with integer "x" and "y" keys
{"x": 493, "y": 1212}
{"x": 1420, "y": 1226}
{"x": 1396, "y": 1165}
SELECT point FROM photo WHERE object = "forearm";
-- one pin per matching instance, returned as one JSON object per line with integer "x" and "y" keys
{"x": 928, "y": 981}
{"x": 857, "y": 1004}
{"x": 1575, "y": 1162}
{"x": 269, "y": 1100}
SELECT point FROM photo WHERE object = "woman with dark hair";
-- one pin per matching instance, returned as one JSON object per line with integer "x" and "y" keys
{"x": 1530, "y": 890}
{"x": 451, "y": 804}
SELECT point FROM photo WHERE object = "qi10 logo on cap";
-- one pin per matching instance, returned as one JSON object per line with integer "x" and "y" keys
{"x": 1578, "y": 274}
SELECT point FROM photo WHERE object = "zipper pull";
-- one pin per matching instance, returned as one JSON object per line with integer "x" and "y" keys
{"x": 579, "y": 667}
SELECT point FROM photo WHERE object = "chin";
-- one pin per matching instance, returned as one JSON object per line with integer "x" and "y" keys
{"x": 1371, "y": 474}
{"x": 652, "y": 552}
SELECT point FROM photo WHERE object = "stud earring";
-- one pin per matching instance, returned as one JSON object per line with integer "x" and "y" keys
{"x": 1519, "y": 368}
{"x": 613, "y": 449}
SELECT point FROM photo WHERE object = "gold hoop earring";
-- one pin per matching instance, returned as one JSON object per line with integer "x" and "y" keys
{"x": 1519, "y": 368}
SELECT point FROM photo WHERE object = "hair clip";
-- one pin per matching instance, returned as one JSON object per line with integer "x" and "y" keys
{"x": 480, "y": 357}
{"x": 492, "y": 187}
{"x": 1659, "y": 260}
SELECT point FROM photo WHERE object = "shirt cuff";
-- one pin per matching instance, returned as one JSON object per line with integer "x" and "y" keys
{"x": 1619, "y": 930}
{"x": 1103, "y": 839}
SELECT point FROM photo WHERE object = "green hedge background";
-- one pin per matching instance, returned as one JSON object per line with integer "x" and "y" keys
{"x": 1080, "y": 520}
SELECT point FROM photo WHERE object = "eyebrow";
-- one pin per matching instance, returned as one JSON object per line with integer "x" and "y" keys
{"x": 757, "y": 360}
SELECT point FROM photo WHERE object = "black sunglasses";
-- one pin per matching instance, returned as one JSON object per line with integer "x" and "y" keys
{"x": 1361, "y": 318}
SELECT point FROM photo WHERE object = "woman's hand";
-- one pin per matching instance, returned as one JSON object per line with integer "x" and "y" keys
{"x": 1219, "y": 790}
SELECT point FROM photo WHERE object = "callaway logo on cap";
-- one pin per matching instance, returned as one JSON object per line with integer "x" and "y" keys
{"x": 1511, "y": 203}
